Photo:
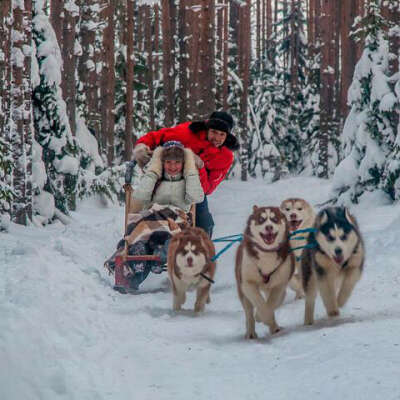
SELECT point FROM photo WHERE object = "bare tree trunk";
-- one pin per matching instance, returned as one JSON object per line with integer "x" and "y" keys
{"x": 108, "y": 82}
{"x": 168, "y": 69}
{"x": 360, "y": 13}
{"x": 327, "y": 84}
{"x": 348, "y": 58}
{"x": 21, "y": 136}
{"x": 68, "y": 84}
{"x": 56, "y": 19}
{"x": 225, "y": 61}
{"x": 207, "y": 58}
{"x": 337, "y": 26}
{"x": 311, "y": 27}
{"x": 245, "y": 46}
{"x": 258, "y": 32}
{"x": 5, "y": 75}
{"x": 156, "y": 41}
{"x": 150, "y": 66}
{"x": 183, "y": 64}
{"x": 87, "y": 65}
{"x": 294, "y": 48}
{"x": 194, "y": 61}
{"x": 130, "y": 27}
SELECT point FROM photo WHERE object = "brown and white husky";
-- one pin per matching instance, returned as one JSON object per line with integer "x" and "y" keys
{"x": 189, "y": 265}
{"x": 264, "y": 266}
{"x": 300, "y": 215}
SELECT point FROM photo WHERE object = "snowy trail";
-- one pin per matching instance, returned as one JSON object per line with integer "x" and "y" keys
{"x": 65, "y": 334}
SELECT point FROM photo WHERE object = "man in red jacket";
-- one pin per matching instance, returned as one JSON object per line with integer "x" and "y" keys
{"x": 212, "y": 142}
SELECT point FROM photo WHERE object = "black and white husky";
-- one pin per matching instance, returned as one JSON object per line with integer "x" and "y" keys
{"x": 334, "y": 264}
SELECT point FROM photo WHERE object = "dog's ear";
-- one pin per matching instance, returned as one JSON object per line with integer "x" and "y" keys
{"x": 255, "y": 208}
{"x": 348, "y": 216}
{"x": 324, "y": 217}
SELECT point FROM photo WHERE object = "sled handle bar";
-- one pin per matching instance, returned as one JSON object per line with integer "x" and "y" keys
{"x": 130, "y": 166}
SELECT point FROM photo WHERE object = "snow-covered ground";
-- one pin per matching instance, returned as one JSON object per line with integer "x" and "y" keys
{"x": 65, "y": 334}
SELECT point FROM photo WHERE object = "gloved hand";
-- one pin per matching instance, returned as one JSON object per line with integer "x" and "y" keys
{"x": 155, "y": 164}
{"x": 142, "y": 154}
{"x": 189, "y": 165}
{"x": 198, "y": 161}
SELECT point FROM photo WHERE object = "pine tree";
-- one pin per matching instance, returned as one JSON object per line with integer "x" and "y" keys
{"x": 369, "y": 132}
{"x": 52, "y": 129}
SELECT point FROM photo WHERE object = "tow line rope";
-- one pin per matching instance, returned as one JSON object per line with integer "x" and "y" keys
{"x": 232, "y": 239}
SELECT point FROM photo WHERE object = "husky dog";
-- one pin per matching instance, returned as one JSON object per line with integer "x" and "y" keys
{"x": 189, "y": 265}
{"x": 264, "y": 266}
{"x": 334, "y": 266}
{"x": 300, "y": 215}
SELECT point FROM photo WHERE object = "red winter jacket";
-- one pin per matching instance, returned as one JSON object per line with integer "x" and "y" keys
{"x": 217, "y": 160}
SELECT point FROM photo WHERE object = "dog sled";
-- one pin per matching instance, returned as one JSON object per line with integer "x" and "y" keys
{"x": 146, "y": 236}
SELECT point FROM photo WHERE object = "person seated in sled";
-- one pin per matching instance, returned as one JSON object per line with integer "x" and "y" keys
{"x": 212, "y": 142}
{"x": 166, "y": 191}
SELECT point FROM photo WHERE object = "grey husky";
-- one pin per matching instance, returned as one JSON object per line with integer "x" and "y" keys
{"x": 335, "y": 262}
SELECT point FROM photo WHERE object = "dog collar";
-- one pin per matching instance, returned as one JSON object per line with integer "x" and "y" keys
{"x": 267, "y": 277}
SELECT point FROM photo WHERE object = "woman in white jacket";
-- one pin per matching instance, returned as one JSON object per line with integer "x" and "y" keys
{"x": 171, "y": 179}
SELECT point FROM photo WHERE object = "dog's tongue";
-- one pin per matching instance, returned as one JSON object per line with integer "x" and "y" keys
{"x": 294, "y": 224}
{"x": 338, "y": 259}
{"x": 269, "y": 237}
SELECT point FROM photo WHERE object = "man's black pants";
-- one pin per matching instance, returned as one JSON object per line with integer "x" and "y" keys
{"x": 204, "y": 218}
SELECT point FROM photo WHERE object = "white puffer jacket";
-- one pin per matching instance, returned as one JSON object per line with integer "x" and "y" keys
{"x": 181, "y": 191}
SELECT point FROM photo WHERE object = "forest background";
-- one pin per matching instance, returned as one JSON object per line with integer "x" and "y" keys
{"x": 313, "y": 85}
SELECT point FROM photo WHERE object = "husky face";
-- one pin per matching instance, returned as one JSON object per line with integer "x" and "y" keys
{"x": 267, "y": 226}
{"x": 336, "y": 235}
{"x": 191, "y": 255}
{"x": 298, "y": 212}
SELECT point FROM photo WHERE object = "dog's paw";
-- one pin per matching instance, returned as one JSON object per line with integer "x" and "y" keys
{"x": 198, "y": 308}
{"x": 333, "y": 313}
{"x": 251, "y": 335}
{"x": 275, "y": 329}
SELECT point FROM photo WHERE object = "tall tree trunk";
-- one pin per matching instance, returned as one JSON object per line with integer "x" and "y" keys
{"x": 108, "y": 82}
{"x": 294, "y": 47}
{"x": 130, "y": 27}
{"x": 21, "y": 136}
{"x": 71, "y": 13}
{"x": 5, "y": 75}
{"x": 360, "y": 13}
{"x": 56, "y": 19}
{"x": 327, "y": 84}
{"x": 87, "y": 65}
{"x": 258, "y": 33}
{"x": 348, "y": 51}
{"x": 150, "y": 67}
{"x": 168, "y": 69}
{"x": 207, "y": 58}
{"x": 245, "y": 46}
{"x": 225, "y": 60}
{"x": 156, "y": 41}
{"x": 183, "y": 64}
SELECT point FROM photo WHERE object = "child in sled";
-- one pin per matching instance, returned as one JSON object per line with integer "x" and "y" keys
{"x": 167, "y": 190}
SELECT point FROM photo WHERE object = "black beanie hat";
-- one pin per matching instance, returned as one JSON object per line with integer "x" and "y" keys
{"x": 221, "y": 121}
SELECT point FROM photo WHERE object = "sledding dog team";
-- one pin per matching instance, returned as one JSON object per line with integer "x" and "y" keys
{"x": 281, "y": 246}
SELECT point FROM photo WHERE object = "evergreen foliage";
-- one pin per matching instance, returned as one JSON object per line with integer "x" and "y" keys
{"x": 369, "y": 131}
{"x": 52, "y": 129}
{"x": 6, "y": 193}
